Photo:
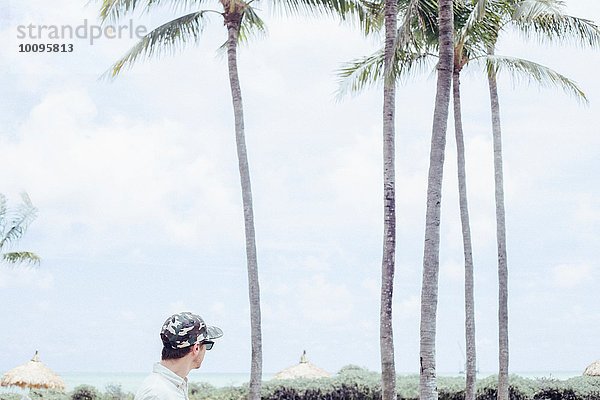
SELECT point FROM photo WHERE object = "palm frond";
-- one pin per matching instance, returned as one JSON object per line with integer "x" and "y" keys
{"x": 370, "y": 16}
{"x": 356, "y": 75}
{"x": 20, "y": 219}
{"x": 167, "y": 38}
{"x": 252, "y": 26}
{"x": 529, "y": 9}
{"x": 561, "y": 28}
{"x": 476, "y": 35}
{"x": 21, "y": 257}
{"x": 476, "y": 15}
{"x": 477, "y": 24}
{"x": 419, "y": 18}
{"x": 314, "y": 8}
{"x": 548, "y": 22}
{"x": 113, "y": 10}
{"x": 523, "y": 70}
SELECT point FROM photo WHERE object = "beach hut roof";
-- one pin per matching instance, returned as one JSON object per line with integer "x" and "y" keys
{"x": 33, "y": 374}
{"x": 593, "y": 369}
{"x": 304, "y": 369}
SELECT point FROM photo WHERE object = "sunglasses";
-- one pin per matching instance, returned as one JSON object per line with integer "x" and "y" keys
{"x": 208, "y": 344}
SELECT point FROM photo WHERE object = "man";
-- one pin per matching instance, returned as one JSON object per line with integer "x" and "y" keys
{"x": 186, "y": 338}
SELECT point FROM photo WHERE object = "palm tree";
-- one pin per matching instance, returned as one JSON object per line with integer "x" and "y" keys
{"x": 474, "y": 32}
{"x": 462, "y": 53}
{"x": 431, "y": 257}
{"x": 241, "y": 20}
{"x": 386, "y": 334}
{"x": 13, "y": 225}
{"x": 470, "y": 367}
{"x": 545, "y": 18}
{"x": 503, "y": 352}
{"x": 236, "y": 15}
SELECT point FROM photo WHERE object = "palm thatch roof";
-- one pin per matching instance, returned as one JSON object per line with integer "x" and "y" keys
{"x": 593, "y": 369}
{"x": 304, "y": 369}
{"x": 33, "y": 374}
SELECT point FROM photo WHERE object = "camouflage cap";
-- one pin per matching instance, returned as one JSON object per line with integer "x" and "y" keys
{"x": 185, "y": 329}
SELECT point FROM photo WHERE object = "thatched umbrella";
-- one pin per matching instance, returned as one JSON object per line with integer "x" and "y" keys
{"x": 303, "y": 370}
{"x": 33, "y": 375}
{"x": 593, "y": 369}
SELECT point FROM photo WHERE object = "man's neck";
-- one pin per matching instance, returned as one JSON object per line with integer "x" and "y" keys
{"x": 180, "y": 367}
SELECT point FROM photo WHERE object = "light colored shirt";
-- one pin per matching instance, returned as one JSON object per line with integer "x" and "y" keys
{"x": 163, "y": 384}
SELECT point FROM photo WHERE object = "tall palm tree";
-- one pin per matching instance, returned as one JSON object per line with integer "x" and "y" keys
{"x": 470, "y": 366}
{"x": 547, "y": 19}
{"x": 503, "y": 352}
{"x": 13, "y": 225}
{"x": 241, "y": 20}
{"x": 431, "y": 257}
{"x": 386, "y": 334}
{"x": 462, "y": 52}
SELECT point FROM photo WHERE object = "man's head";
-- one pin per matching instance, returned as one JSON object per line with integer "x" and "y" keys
{"x": 185, "y": 332}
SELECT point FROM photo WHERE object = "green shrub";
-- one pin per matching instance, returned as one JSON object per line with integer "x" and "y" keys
{"x": 47, "y": 395}
{"x": 205, "y": 391}
{"x": 85, "y": 392}
{"x": 114, "y": 392}
{"x": 36, "y": 394}
{"x": 10, "y": 396}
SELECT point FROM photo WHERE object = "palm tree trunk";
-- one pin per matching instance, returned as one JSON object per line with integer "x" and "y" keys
{"x": 431, "y": 257}
{"x": 501, "y": 240}
{"x": 388, "y": 367}
{"x": 467, "y": 248}
{"x": 233, "y": 21}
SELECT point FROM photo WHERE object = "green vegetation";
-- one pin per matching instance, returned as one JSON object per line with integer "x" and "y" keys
{"x": 81, "y": 392}
{"x": 355, "y": 383}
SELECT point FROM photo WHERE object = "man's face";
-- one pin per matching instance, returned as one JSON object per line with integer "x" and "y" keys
{"x": 198, "y": 352}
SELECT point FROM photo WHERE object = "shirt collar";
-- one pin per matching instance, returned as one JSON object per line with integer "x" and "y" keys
{"x": 169, "y": 375}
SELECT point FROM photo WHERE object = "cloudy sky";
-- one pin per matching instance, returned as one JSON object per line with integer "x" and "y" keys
{"x": 140, "y": 216}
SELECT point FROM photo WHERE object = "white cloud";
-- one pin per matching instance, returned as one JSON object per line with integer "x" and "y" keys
{"x": 371, "y": 286}
{"x": 588, "y": 210}
{"x": 316, "y": 264}
{"x": 97, "y": 176}
{"x": 25, "y": 277}
{"x": 571, "y": 275}
{"x": 324, "y": 301}
{"x": 177, "y": 307}
{"x": 408, "y": 308}
{"x": 357, "y": 178}
{"x": 128, "y": 315}
{"x": 218, "y": 311}
{"x": 453, "y": 270}
{"x": 44, "y": 306}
